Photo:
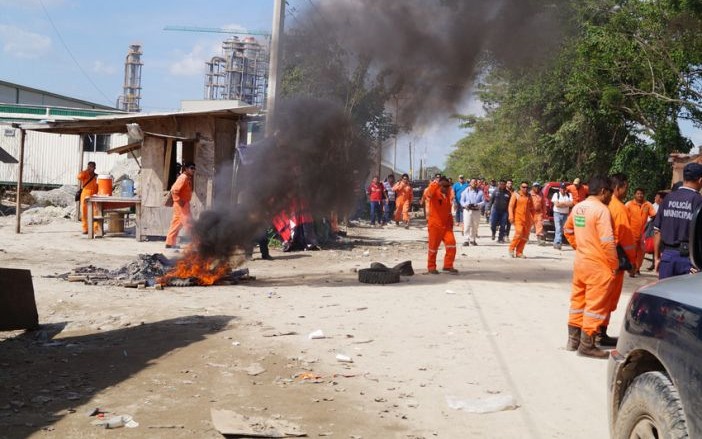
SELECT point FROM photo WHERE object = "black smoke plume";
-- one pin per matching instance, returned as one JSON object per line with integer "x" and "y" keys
{"x": 428, "y": 52}
{"x": 315, "y": 159}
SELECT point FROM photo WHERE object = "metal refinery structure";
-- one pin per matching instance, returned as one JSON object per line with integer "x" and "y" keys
{"x": 131, "y": 96}
{"x": 240, "y": 73}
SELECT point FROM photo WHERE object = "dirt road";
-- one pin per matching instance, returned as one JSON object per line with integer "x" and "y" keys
{"x": 495, "y": 332}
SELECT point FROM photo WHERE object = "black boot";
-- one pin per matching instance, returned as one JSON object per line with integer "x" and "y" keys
{"x": 604, "y": 340}
{"x": 573, "y": 338}
{"x": 587, "y": 347}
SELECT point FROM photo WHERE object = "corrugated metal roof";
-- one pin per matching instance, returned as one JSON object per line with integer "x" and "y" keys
{"x": 118, "y": 123}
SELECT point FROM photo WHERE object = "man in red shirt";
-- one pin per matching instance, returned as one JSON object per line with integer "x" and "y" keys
{"x": 376, "y": 194}
{"x": 440, "y": 225}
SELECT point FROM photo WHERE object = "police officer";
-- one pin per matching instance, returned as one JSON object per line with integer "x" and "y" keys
{"x": 672, "y": 225}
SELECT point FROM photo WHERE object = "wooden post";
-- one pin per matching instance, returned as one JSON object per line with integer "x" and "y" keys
{"x": 167, "y": 162}
{"x": 81, "y": 156}
{"x": 18, "y": 203}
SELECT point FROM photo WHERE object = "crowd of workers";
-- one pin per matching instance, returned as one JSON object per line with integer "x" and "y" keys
{"x": 606, "y": 231}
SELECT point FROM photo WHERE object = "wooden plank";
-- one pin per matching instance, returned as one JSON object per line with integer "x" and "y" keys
{"x": 167, "y": 162}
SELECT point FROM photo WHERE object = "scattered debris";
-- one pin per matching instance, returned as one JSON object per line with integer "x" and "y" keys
{"x": 278, "y": 333}
{"x": 255, "y": 369}
{"x": 314, "y": 335}
{"x": 344, "y": 358}
{"x": 143, "y": 273}
{"x": 492, "y": 404}
{"x": 235, "y": 425}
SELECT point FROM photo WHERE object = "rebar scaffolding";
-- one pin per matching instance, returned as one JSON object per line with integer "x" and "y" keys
{"x": 240, "y": 73}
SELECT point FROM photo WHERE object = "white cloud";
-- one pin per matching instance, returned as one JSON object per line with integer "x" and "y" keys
{"x": 22, "y": 44}
{"x": 191, "y": 64}
{"x": 102, "y": 68}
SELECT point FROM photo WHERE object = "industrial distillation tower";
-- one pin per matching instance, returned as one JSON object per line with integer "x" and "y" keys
{"x": 241, "y": 72}
{"x": 131, "y": 96}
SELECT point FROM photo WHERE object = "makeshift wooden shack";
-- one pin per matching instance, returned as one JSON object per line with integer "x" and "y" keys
{"x": 207, "y": 137}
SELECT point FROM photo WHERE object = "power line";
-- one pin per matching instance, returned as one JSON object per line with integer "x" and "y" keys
{"x": 71, "y": 53}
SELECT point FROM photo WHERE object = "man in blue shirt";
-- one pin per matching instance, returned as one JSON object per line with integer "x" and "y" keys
{"x": 498, "y": 211}
{"x": 471, "y": 201}
{"x": 672, "y": 225}
{"x": 458, "y": 188}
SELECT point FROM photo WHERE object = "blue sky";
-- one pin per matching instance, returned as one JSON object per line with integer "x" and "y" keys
{"x": 98, "y": 33}
{"x": 77, "y": 48}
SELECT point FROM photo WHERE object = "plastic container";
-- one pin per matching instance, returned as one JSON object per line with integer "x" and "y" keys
{"x": 104, "y": 185}
{"x": 127, "y": 188}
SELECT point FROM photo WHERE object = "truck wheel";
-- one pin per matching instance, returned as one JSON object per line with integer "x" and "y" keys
{"x": 651, "y": 408}
{"x": 378, "y": 276}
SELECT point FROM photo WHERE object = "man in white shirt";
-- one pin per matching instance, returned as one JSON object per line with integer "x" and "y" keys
{"x": 471, "y": 200}
{"x": 562, "y": 202}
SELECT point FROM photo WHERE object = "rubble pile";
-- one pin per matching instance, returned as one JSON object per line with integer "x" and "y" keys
{"x": 60, "y": 197}
{"x": 143, "y": 271}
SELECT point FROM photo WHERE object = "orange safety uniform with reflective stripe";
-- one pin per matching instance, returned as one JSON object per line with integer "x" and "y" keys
{"x": 403, "y": 200}
{"x": 440, "y": 225}
{"x": 182, "y": 191}
{"x": 521, "y": 215}
{"x": 589, "y": 231}
{"x": 638, "y": 217}
{"x": 537, "y": 200}
{"x": 623, "y": 237}
{"x": 89, "y": 190}
{"x": 578, "y": 194}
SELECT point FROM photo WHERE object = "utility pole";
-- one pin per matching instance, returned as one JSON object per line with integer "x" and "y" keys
{"x": 411, "y": 171}
{"x": 274, "y": 65}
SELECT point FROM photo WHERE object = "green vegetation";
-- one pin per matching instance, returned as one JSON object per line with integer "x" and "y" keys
{"x": 608, "y": 101}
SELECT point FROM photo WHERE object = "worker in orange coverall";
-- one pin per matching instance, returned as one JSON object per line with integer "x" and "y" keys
{"x": 640, "y": 211}
{"x": 589, "y": 231}
{"x": 440, "y": 225}
{"x": 403, "y": 200}
{"x": 182, "y": 191}
{"x": 88, "y": 183}
{"x": 521, "y": 215}
{"x": 577, "y": 191}
{"x": 624, "y": 240}
{"x": 537, "y": 199}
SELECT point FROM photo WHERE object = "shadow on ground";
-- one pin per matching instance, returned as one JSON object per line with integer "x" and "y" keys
{"x": 43, "y": 376}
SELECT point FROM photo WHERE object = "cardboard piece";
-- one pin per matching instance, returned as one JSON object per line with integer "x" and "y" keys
{"x": 234, "y": 425}
{"x": 18, "y": 309}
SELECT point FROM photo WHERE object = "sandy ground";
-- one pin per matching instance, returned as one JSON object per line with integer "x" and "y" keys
{"x": 496, "y": 330}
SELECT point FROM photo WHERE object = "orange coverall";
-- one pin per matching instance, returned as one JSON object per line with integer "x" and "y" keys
{"x": 403, "y": 201}
{"x": 578, "y": 194}
{"x": 624, "y": 238}
{"x": 638, "y": 216}
{"x": 440, "y": 226}
{"x": 537, "y": 201}
{"x": 589, "y": 231}
{"x": 89, "y": 190}
{"x": 182, "y": 191}
{"x": 521, "y": 215}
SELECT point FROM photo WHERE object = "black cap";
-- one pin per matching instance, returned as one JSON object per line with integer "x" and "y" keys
{"x": 692, "y": 171}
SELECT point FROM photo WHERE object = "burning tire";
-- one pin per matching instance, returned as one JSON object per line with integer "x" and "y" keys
{"x": 378, "y": 276}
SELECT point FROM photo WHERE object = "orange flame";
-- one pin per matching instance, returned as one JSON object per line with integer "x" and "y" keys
{"x": 207, "y": 271}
